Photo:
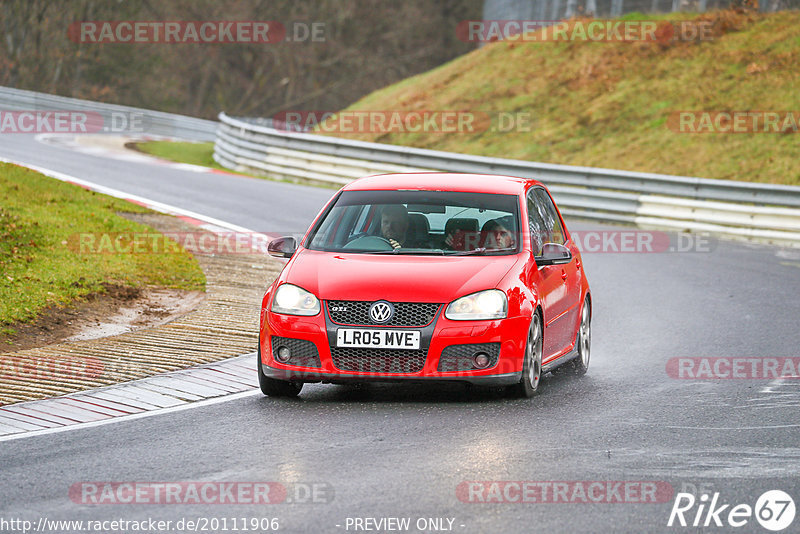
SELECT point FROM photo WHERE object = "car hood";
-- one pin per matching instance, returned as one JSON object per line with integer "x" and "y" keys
{"x": 397, "y": 278}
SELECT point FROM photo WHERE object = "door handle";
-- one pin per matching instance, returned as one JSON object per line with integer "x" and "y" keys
{"x": 563, "y": 274}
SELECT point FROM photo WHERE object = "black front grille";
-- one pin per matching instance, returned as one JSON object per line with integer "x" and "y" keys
{"x": 356, "y": 312}
{"x": 379, "y": 360}
{"x": 459, "y": 357}
{"x": 304, "y": 353}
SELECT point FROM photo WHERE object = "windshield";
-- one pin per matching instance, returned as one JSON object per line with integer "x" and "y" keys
{"x": 419, "y": 222}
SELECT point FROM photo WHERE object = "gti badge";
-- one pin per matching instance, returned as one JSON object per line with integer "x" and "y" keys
{"x": 381, "y": 312}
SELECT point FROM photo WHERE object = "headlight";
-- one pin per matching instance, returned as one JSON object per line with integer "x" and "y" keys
{"x": 293, "y": 300}
{"x": 489, "y": 304}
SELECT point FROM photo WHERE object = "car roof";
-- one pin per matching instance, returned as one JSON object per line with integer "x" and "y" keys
{"x": 441, "y": 181}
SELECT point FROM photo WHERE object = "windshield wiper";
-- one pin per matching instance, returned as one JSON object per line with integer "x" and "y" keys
{"x": 424, "y": 251}
{"x": 475, "y": 252}
{"x": 482, "y": 251}
{"x": 408, "y": 251}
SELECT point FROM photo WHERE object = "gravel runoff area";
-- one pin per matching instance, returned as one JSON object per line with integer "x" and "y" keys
{"x": 224, "y": 325}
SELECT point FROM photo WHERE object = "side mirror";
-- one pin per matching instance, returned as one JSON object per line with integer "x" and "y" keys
{"x": 553, "y": 254}
{"x": 283, "y": 247}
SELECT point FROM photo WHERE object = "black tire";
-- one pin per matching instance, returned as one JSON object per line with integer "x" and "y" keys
{"x": 276, "y": 388}
{"x": 580, "y": 365}
{"x": 528, "y": 385}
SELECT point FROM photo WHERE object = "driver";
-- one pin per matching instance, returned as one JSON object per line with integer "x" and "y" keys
{"x": 395, "y": 226}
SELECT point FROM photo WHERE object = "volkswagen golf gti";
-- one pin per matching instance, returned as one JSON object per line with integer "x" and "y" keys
{"x": 428, "y": 277}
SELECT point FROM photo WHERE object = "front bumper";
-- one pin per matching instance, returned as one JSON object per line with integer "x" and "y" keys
{"x": 506, "y": 379}
{"x": 438, "y": 341}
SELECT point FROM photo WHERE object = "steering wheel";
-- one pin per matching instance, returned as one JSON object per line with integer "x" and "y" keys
{"x": 370, "y": 242}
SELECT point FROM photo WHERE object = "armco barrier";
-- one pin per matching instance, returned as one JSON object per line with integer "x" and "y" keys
{"x": 123, "y": 120}
{"x": 737, "y": 209}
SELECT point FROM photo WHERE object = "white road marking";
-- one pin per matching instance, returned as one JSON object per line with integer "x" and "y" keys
{"x": 257, "y": 240}
{"x": 152, "y": 204}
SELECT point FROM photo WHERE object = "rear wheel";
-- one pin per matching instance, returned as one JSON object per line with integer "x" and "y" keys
{"x": 276, "y": 388}
{"x": 532, "y": 363}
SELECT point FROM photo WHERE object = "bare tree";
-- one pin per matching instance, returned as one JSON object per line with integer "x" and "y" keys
{"x": 367, "y": 45}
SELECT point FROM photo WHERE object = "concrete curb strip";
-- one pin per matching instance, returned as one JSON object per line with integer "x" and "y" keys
{"x": 147, "y": 396}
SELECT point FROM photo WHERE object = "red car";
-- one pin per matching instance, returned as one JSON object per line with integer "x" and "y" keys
{"x": 428, "y": 277}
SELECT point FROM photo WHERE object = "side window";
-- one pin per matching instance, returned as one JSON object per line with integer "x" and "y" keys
{"x": 553, "y": 228}
{"x": 536, "y": 223}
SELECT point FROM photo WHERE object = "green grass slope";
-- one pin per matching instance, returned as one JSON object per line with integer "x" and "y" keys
{"x": 607, "y": 104}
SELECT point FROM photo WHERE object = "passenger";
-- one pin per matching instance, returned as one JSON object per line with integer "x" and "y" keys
{"x": 457, "y": 240}
{"x": 496, "y": 236}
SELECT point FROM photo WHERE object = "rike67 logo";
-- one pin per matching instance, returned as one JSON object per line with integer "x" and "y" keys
{"x": 774, "y": 510}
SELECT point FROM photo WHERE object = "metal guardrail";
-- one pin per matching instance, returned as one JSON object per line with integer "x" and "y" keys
{"x": 122, "y": 120}
{"x": 741, "y": 209}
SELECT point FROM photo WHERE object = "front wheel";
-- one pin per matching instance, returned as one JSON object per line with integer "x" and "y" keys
{"x": 532, "y": 364}
{"x": 276, "y": 388}
{"x": 581, "y": 364}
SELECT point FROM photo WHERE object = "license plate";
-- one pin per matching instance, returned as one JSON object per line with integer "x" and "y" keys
{"x": 377, "y": 339}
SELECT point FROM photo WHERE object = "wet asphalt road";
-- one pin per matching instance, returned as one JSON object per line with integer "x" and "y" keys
{"x": 404, "y": 451}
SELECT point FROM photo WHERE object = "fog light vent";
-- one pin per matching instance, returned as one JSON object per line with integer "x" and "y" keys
{"x": 297, "y": 352}
{"x": 469, "y": 357}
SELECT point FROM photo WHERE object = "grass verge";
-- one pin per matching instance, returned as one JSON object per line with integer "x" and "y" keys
{"x": 40, "y": 217}
{"x": 182, "y": 152}
{"x": 201, "y": 154}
